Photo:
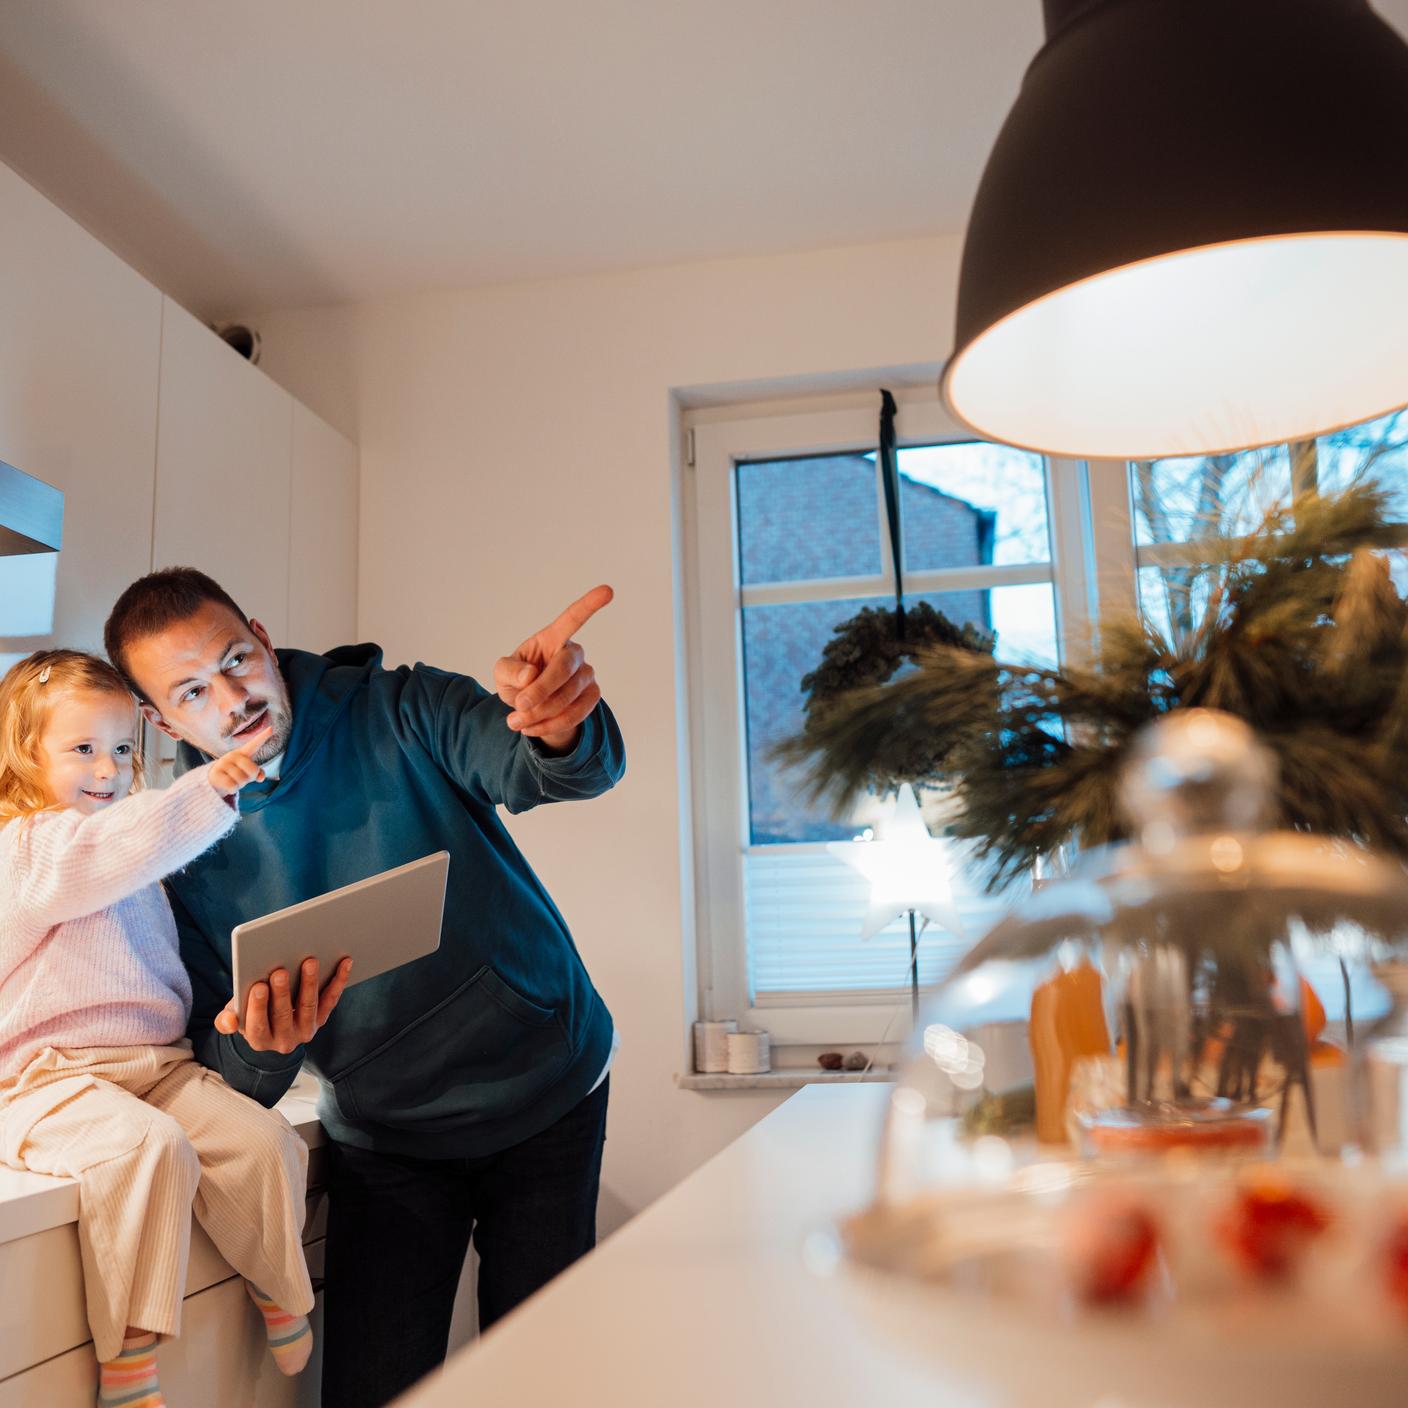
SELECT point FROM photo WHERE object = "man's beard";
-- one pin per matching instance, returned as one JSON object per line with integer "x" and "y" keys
{"x": 269, "y": 715}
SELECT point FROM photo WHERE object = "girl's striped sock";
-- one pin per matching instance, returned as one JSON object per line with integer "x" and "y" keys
{"x": 290, "y": 1336}
{"x": 130, "y": 1379}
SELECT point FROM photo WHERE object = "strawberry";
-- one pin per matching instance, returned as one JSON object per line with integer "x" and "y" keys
{"x": 1119, "y": 1249}
{"x": 1269, "y": 1227}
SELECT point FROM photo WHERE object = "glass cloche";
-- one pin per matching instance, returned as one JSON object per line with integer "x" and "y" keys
{"x": 1172, "y": 1083}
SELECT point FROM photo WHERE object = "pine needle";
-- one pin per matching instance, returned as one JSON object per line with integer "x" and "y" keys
{"x": 1303, "y": 636}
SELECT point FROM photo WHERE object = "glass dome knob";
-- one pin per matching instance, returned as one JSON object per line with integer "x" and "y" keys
{"x": 1197, "y": 771}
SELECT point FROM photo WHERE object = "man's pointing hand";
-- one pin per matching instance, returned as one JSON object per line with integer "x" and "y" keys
{"x": 547, "y": 681}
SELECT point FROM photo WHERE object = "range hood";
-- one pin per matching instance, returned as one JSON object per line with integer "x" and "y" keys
{"x": 31, "y": 513}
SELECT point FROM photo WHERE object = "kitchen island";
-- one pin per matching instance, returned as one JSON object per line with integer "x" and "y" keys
{"x": 704, "y": 1299}
{"x": 723, "y": 1295}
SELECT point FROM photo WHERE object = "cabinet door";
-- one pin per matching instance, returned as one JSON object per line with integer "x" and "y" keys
{"x": 224, "y": 447}
{"x": 49, "y": 1319}
{"x": 220, "y": 1360}
{"x": 78, "y": 381}
{"x": 322, "y": 569}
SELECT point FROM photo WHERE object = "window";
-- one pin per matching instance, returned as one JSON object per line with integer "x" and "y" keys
{"x": 1376, "y": 451}
{"x": 1178, "y": 502}
{"x": 28, "y": 584}
{"x": 787, "y": 539}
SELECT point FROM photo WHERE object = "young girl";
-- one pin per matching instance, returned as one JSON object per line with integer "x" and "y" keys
{"x": 96, "y": 1079}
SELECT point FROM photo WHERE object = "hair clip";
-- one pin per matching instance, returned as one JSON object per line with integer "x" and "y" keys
{"x": 44, "y": 674}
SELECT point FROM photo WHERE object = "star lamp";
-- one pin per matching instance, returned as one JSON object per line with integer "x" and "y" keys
{"x": 907, "y": 868}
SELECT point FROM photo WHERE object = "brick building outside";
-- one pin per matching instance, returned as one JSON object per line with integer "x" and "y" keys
{"x": 805, "y": 519}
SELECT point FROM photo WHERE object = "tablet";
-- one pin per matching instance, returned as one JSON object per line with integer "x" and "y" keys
{"x": 379, "y": 923}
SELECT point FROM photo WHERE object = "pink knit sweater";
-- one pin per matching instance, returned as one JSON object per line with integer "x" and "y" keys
{"x": 88, "y": 951}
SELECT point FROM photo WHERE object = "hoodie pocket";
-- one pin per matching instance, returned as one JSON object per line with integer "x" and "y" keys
{"x": 482, "y": 1052}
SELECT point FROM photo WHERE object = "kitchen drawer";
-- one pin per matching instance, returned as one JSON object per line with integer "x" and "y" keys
{"x": 47, "y": 1317}
{"x": 221, "y": 1360}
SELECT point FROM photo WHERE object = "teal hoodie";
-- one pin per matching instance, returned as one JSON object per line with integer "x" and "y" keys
{"x": 468, "y": 1050}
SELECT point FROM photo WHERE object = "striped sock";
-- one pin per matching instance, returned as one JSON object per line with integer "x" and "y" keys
{"x": 130, "y": 1379}
{"x": 290, "y": 1336}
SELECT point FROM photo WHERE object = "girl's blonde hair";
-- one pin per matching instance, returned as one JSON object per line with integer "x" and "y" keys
{"x": 28, "y": 693}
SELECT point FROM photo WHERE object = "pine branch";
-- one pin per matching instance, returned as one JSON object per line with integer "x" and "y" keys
{"x": 1303, "y": 636}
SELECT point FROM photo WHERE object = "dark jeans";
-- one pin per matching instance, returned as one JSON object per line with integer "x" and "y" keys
{"x": 399, "y": 1229}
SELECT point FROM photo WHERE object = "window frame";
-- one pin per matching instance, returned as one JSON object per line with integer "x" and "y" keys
{"x": 1091, "y": 559}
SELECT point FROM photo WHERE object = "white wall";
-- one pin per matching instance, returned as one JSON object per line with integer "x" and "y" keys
{"x": 516, "y": 447}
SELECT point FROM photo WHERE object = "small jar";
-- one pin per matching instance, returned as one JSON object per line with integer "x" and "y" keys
{"x": 1383, "y": 1083}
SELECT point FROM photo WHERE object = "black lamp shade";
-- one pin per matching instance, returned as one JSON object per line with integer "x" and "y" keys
{"x": 1192, "y": 233}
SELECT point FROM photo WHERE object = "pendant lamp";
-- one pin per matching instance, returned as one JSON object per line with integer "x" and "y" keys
{"x": 1192, "y": 233}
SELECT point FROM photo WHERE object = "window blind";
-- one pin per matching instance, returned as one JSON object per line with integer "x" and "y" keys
{"x": 804, "y": 914}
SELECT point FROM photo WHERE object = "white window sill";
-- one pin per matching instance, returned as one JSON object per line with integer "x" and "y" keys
{"x": 784, "y": 1080}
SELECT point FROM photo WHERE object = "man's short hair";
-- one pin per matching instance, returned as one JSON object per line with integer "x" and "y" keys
{"x": 155, "y": 602}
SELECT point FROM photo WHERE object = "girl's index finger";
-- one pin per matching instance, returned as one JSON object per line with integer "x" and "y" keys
{"x": 258, "y": 741}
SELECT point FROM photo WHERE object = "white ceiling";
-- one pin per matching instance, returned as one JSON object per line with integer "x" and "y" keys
{"x": 278, "y": 153}
{"x": 257, "y": 154}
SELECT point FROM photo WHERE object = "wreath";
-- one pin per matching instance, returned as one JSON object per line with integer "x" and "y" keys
{"x": 865, "y": 653}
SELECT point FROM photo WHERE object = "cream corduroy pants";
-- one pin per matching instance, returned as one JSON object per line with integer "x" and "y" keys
{"x": 152, "y": 1136}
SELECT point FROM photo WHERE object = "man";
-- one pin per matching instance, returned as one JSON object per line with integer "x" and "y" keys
{"x": 465, "y": 1092}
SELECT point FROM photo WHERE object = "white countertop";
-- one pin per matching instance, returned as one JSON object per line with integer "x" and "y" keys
{"x": 706, "y": 1301}
{"x": 703, "y": 1300}
{"x": 34, "y": 1202}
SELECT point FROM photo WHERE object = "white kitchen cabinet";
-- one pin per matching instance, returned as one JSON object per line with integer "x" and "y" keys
{"x": 220, "y": 1359}
{"x": 224, "y": 451}
{"x": 170, "y": 448}
{"x": 322, "y": 577}
{"x": 79, "y": 359}
{"x": 255, "y": 490}
{"x": 223, "y": 469}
